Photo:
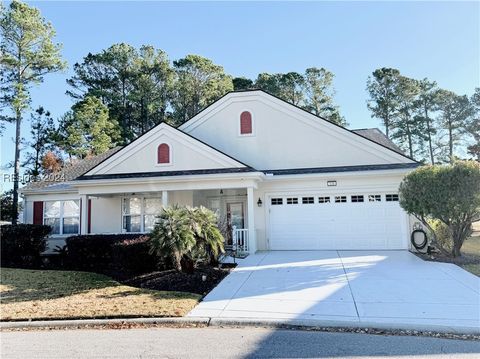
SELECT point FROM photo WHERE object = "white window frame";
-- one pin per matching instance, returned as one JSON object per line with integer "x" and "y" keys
{"x": 278, "y": 201}
{"x": 372, "y": 198}
{"x": 340, "y": 199}
{"x": 393, "y": 197}
{"x": 292, "y": 200}
{"x": 324, "y": 199}
{"x": 142, "y": 212}
{"x": 357, "y": 198}
{"x": 308, "y": 200}
{"x": 62, "y": 217}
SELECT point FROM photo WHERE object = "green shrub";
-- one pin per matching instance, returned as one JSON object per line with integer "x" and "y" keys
{"x": 447, "y": 193}
{"x": 172, "y": 238}
{"x": 209, "y": 239}
{"x": 442, "y": 233}
{"x": 23, "y": 244}
{"x": 110, "y": 252}
{"x": 187, "y": 236}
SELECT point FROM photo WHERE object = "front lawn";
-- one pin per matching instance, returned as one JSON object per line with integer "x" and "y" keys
{"x": 44, "y": 294}
{"x": 469, "y": 260}
{"x": 471, "y": 249}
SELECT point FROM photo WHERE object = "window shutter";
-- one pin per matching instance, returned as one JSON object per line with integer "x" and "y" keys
{"x": 38, "y": 212}
{"x": 163, "y": 153}
{"x": 89, "y": 216}
{"x": 245, "y": 123}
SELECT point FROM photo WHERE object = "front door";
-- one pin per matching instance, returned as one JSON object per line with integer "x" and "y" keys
{"x": 235, "y": 215}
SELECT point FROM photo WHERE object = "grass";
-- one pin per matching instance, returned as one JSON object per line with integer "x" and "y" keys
{"x": 471, "y": 248}
{"x": 43, "y": 294}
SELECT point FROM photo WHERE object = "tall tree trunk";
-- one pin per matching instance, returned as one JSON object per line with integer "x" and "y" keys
{"x": 430, "y": 147}
{"x": 410, "y": 144}
{"x": 16, "y": 171}
{"x": 386, "y": 122}
{"x": 457, "y": 244}
{"x": 450, "y": 140}
{"x": 177, "y": 261}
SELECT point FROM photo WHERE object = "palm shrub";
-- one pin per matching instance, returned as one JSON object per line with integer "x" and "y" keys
{"x": 186, "y": 236}
{"x": 209, "y": 239}
{"x": 172, "y": 237}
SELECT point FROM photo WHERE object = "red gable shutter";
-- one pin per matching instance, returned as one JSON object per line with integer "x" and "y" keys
{"x": 245, "y": 123}
{"x": 89, "y": 216}
{"x": 163, "y": 153}
{"x": 38, "y": 212}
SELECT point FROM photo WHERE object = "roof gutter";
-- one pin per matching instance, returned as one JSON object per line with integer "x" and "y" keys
{"x": 85, "y": 182}
{"x": 44, "y": 190}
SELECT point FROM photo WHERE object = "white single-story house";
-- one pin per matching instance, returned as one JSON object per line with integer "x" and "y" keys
{"x": 283, "y": 177}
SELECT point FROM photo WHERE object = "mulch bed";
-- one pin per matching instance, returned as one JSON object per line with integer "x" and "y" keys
{"x": 173, "y": 280}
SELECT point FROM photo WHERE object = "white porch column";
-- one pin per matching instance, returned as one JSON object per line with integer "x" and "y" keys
{"x": 165, "y": 198}
{"x": 84, "y": 214}
{"x": 252, "y": 241}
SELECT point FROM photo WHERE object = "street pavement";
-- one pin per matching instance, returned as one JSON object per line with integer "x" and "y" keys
{"x": 225, "y": 343}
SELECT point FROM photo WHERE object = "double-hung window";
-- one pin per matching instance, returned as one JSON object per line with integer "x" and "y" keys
{"x": 139, "y": 213}
{"x": 152, "y": 208}
{"x": 62, "y": 216}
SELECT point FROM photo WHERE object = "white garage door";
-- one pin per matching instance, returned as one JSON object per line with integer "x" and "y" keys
{"x": 343, "y": 221}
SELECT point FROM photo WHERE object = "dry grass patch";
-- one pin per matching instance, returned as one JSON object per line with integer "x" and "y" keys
{"x": 471, "y": 249}
{"x": 42, "y": 294}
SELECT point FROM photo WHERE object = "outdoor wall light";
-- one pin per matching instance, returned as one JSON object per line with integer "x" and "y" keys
{"x": 331, "y": 183}
{"x": 259, "y": 202}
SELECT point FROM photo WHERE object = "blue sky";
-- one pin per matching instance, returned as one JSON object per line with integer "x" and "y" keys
{"x": 438, "y": 40}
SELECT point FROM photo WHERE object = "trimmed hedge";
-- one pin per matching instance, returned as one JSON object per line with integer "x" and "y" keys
{"x": 23, "y": 244}
{"x": 110, "y": 252}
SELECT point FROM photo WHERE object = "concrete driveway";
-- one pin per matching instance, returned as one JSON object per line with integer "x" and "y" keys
{"x": 384, "y": 287}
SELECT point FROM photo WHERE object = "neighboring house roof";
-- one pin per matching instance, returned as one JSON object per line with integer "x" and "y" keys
{"x": 68, "y": 173}
{"x": 378, "y": 136}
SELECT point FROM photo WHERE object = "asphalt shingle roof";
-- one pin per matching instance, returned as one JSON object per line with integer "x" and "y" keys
{"x": 296, "y": 171}
{"x": 69, "y": 172}
{"x": 378, "y": 136}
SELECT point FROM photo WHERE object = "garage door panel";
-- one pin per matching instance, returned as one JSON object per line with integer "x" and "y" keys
{"x": 350, "y": 225}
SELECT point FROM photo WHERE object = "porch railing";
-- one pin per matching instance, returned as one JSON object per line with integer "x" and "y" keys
{"x": 240, "y": 239}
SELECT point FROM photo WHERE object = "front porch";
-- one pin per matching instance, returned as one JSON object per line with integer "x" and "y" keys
{"x": 135, "y": 212}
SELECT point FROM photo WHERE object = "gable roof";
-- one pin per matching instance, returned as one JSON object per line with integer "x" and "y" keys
{"x": 376, "y": 135}
{"x": 369, "y": 136}
{"x": 80, "y": 169}
{"x": 222, "y": 159}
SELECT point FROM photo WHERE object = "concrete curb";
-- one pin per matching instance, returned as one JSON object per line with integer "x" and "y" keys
{"x": 100, "y": 322}
{"x": 312, "y": 323}
{"x": 243, "y": 322}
